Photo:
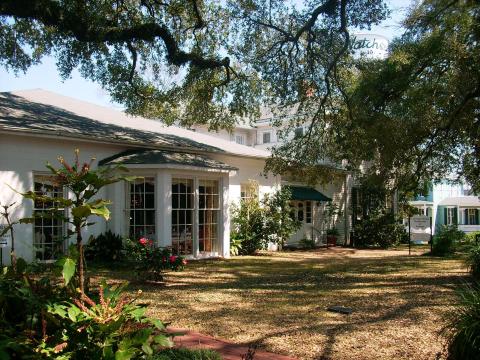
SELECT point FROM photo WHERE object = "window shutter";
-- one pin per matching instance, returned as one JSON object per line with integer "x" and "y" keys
{"x": 445, "y": 219}
{"x": 476, "y": 217}
{"x": 455, "y": 216}
{"x": 466, "y": 217}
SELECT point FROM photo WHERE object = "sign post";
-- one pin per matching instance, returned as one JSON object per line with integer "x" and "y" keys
{"x": 431, "y": 236}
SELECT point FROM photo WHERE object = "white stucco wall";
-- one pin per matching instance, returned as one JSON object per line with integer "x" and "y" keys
{"x": 24, "y": 156}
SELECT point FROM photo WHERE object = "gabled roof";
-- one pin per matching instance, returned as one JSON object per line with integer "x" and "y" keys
{"x": 467, "y": 201}
{"x": 46, "y": 113}
{"x": 162, "y": 157}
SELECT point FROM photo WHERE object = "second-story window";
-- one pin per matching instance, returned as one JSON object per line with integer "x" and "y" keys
{"x": 240, "y": 139}
{"x": 267, "y": 137}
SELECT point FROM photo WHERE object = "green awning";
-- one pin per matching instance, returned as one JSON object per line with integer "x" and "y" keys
{"x": 306, "y": 193}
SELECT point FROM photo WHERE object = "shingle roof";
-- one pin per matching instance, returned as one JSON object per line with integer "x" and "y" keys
{"x": 46, "y": 113}
{"x": 468, "y": 201}
{"x": 162, "y": 157}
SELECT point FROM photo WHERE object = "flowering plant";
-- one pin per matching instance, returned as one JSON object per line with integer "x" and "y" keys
{"x": 150, "y": 261}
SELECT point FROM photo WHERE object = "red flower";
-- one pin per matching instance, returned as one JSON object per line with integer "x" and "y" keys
{"x": 150, "y": 242}
{"x": 184, "y": 261}
{"x": 143, "y": 241}
{"x": 173, "y": 258}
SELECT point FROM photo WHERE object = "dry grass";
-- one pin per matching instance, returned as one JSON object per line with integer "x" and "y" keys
{"x": 279, "y": 301}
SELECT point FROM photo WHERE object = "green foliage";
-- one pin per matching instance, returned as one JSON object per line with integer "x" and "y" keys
{"x": 464, "y": 326}
{"x": 471, "y": 237}
{"x": 150, "y": 261}
{"x": 445, "y": 242}
{"x": 473, "y": 260}
{"x": 235, "y": 245}
{"x": 256, "y": 223}
{"x": 307, "y": 243}
{"x": 114, "y": 327}
{"x": 105, "y": 247}
{"x": 379, "y": 229}
{"x": 186, "y": 354}
{"x": 333, "y": 232}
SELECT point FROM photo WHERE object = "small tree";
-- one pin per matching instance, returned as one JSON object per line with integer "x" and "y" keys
{"x": 84, "y": 184}
{"x": 279, "y": 225}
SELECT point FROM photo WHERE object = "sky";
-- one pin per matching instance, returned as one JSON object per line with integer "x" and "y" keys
{"x": 45, "y": 75}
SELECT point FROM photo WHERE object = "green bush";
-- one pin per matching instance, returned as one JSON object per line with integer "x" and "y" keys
{"x": 187, "y": 354}
{"x": 473, "y": 260}
{"x": 150, "y": 261}
{"x": 446, "y": 240}
{"x": 307, "y": 243}
{"x": 470, "y": 237}
{"x": 379, "y": 230}
{"x": 464, "y": 326}
{"x": 105, "y": 248}
{"x": 257, "y": 223}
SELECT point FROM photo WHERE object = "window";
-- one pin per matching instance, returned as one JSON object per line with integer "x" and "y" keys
{"x": 300, "y": 212}
{"x": 308, "y": 212}
{"x": 240, "y": 139}
{"x": 49, "y": 231}
{"x": 298, "y": 132}
{"x": 472, "y": 217}
{"x": 182, "y": 216}
{"x": 141, "y": 208}
{"x": 249, "y": 190}
{"x": 450, "y": 216}
{"x": 267, "y": 137}
{"x": 208, "y": 214}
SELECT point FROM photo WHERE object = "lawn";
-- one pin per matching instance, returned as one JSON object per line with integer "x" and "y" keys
{"x": 279, "y": 301}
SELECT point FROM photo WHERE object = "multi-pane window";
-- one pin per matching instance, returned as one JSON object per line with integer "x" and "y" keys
{"x": 267, "y": 137}
{"x": 240, "y": 139}
{"x": 249, "y": 190}
{"x": 308, "y": 212}
{"x": 182, "y": 216}
{"x": 298, "y": 132}
{"x": 141, "y": 208}
{"x": 208, "y": 214}
{"x": 450, "y": 216}
{"x": 472, "y": 219}
{"x": 49, "y": 227}
{"x": 300, "y": 212}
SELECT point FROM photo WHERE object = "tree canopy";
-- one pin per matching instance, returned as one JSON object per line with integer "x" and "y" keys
{"x": 413, "y": 117}
{"x": 187, "y": 61}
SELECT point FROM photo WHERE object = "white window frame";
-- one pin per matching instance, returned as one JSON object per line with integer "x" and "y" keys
{"x": 240, "y": 139}
{"x": 192, "y": 209}
{"x": 471, "y": 218}
{"x": 62, "y": 227}
{"x": 269, "y": 133}
{"x": 450, "y": 215}
{"x": 128, "y": 208}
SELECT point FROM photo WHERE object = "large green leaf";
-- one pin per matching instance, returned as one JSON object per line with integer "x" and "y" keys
{"x": 68, "y": 269}
{"x": 82, "y": 211}
{"x": 101, "y": 211}
{"x": 125, "y": 354}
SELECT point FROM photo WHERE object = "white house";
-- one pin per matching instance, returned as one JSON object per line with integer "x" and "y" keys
{"x": 449, "y": 204}
{"x": 188, "y": 181}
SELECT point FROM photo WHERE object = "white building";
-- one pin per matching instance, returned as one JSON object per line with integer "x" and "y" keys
{"x": 450, "y": 204}
{"x": 189, "y": 179}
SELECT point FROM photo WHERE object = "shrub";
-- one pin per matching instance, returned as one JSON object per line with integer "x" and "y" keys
{"x": 257, "y": 223}
{"x": 464, "y": 326}
{"x": 105, "y": 248}
{"x": 187, "y": 354}
{"x": 235, "y": 245}
{"x": 379, "y": 229}
{"x": 445, "y": 241}
{"x": 470, "y": 237}
{"x": 473, "y": 260}
{"x": 114, "y": 327}
{"x": 150, "y": 261}
{"x": 307, "y": 243}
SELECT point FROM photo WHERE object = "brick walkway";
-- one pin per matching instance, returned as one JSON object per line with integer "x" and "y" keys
{"x": 228, "y": 350}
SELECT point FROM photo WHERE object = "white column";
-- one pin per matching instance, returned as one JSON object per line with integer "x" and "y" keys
{"x": 163, "y": 205}
{"x": 225, "y": 217}
{"x": 195, "y": 232}
{"x": 119, "y": 219}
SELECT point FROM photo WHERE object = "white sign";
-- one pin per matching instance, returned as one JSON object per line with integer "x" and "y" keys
{"x": 420, "y": 222}
{"x": 5, "y": 238}
{"x": 370, "y": 46}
